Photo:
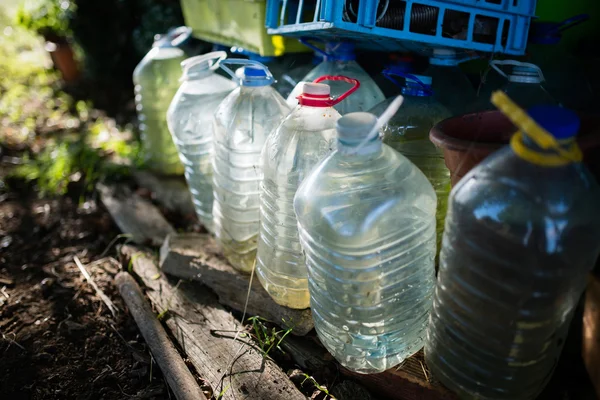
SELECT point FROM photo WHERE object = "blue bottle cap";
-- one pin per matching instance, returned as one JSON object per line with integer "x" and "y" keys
{"x": 561, "y": 123}
{"x": 254, "y": 76}
{"x": 254, "y": 72}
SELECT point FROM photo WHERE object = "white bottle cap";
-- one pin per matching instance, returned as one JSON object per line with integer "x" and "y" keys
{"x": 354, "y": 127}
{"x": 319, "y": 89}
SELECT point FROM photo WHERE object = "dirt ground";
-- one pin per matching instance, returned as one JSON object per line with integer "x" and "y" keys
{"x": 58, "y": 339}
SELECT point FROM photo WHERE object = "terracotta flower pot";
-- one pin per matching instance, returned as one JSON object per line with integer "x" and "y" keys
{"x": 63, "y": 59}
{"x": 468, "y": 139}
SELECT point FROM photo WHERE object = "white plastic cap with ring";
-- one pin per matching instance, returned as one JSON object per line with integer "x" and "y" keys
{"x": 202, "y": 66}
{"x": 359, "y": 131}
{"x": 173, "y": 38}
{"x": 521, "y": 72}
{"x": 255, "y": 74}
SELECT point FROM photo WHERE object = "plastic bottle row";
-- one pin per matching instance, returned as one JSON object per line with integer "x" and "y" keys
{"x": 339, "y": 220}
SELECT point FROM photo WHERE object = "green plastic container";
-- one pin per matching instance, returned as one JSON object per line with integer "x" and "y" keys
{"x": 156, "y": 80}
{"x": 238, "y": 23}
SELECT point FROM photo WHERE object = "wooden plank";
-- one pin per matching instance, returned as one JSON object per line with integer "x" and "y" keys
{"x": 197, "y": 256}
{"x": 206, "y": 332}
{"x": 134, "y": 215}
{"x": 410, "y": 381}
{"x": 169, "y": 191}
{"x": 591, "y": 331}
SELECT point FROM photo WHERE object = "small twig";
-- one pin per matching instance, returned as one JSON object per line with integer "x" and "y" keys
{"x": 112, "y": 242}
{"x": 111, "y": 307}
{"x": 12, "y": 341}
{"x": 424, "y": 372}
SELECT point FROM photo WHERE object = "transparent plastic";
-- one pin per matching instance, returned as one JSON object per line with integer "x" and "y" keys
{"x": 304, "y": 138}
{"x": 451, "y": 88}
{"x": 408, "y": 133}
{"x": 525, "y": 83}
{"x": 156, "y": 80}
{"x": 242, "y": 123}
{"x": 519, "y": 242}
{"x": 190, "y": 119}
{"x": 528, "y": 95}
{"x": 367, "y": 96}
{"x": 367, "y": 226}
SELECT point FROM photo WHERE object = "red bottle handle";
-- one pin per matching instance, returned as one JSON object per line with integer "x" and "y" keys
{"x": 355, "y": 85}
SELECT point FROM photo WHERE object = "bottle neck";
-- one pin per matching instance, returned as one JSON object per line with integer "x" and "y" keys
{"x": 350, "y": 148}
{"x": 254, "y": 89}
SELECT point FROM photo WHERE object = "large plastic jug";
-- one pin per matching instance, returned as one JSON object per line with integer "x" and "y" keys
{"x": 303, "y": 139}
{"x": 241, "y": 126}
{"x": 521, "y": 236}
{"x": 451, "y": 87}
{"x": 190, "y": 120}
{"x": 366, "y": 217}
{"x": 156, "y": 80}
{"x": 295, "y": 71}
{"x": 525, "y": 85}
{"x": 340, "y": 59}
{"x": 408, "y": 133}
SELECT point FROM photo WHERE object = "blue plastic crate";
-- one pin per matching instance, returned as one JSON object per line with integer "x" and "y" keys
{"x": 498, "y": 26}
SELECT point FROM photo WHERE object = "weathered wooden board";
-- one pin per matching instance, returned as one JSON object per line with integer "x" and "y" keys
{"x": 134, "y": 215}
{"x": 169, "y": 191}
{"x": 206, "y": 333}
{"x": 409, "y": 381}
{"x": 197, "y": 256}
{"x": 591, "y": 331}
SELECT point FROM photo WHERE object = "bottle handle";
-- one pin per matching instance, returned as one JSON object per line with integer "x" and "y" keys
{"x": 355, "y": 85}
{"x": 393, "y": 71}
{"x": 217, "y": 56}
{"x": 241, "y": 61}
{"x": 571, "y": 22}
{"x": 177, "y": 36}
{"x": 495, "y": 64}
{"x": 383, "y": 119}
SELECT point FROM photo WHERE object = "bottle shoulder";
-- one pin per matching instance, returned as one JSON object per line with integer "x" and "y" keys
{"x": 365, "y": 206}
{"x": 301, "y": 140}
{"x": 506, "y": 189}
{"x": 388, "y": 176}
{"x": 260, "y": 105}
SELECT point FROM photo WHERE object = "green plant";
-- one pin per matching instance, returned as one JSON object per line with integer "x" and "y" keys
{"x": 64, "y": 162}
{"x": 317, "y": 385}
{"x": 267, "y": 339}
{"x": 49, "y": 18}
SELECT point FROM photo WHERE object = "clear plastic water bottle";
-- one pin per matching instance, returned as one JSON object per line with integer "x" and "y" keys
{"x": 303, "y": 139}
{"x": 408, "y": 133}
{"x": 241, "y": 126}
{"x": 521, "y": 236}
{"x": 296, "y": 68}
{"x": 340, "y": 59}
{"x": 190, "y": 120}
{"x": 451, "y": 87}
{"x": 366, "y": 217}
{"x": 526, "y": 84}
{"x": 156, "y": 80}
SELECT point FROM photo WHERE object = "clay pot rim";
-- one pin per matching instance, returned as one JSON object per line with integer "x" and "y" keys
{"x": 444, "y": 141}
